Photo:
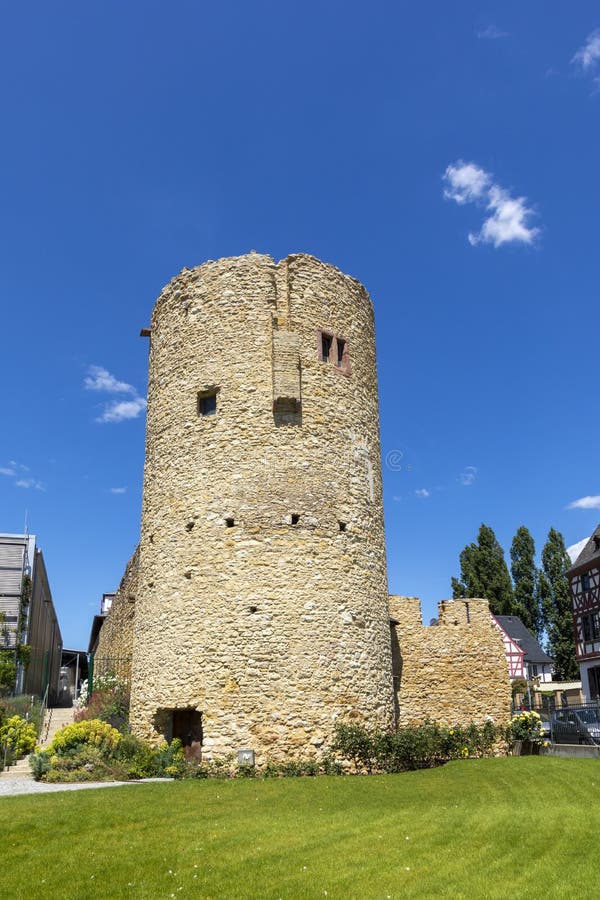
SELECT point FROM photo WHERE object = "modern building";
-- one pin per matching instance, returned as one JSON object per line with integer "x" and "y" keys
{"x": 30, "y": 619}
{"x": 73, "y": 672}
{"x": 584, "y": 585}
{"x": 106, "y": 603}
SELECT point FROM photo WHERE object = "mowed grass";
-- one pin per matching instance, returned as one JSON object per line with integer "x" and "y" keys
{"x": 506, "y": 828}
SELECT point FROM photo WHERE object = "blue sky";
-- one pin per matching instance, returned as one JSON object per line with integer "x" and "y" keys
{"x": 446, "y": 157}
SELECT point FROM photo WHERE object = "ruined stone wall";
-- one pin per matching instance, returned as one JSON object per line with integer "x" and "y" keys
{"x": 115, "y": 643}
{"x": 262, "y": 598}
{"x": 454, "y": 672}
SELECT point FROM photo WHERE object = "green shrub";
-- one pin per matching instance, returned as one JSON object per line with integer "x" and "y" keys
{"x": 358, "y": 745}
{"x": 141, "y": 760}
{"x": 8, "y": 672}
{"x": 23, "y": 705}
{"x": 92, "y": 731}
{"x": 413, "y": 747}
{"x": 40, "y": 764}
{"x": 171, "y": 759}
{"x": 92, "y": 750}
{"x": 19, "y": 735}
{"x": 85, "y": 763}
{"x": 297, "y": 768}
{"x": 109, "y": 702}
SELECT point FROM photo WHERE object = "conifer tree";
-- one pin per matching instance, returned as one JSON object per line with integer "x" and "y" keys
{"x": 484, "y": 573}
{"x": 525, "y": 579}
{"x": 544, "y": 595}
{"x": 556, "y": 603}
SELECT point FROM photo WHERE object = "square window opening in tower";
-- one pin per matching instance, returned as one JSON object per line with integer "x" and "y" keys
{"x": 207, "y": 403}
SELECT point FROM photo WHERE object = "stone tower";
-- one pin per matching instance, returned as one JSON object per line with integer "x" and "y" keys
{"x": 262, "y": 604}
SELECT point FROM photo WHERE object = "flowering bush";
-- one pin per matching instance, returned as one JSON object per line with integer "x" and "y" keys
{"x": 526, "y": 726}
{"x": 109, "y": 701}
{"x": 19, "y": 735}
{"x": 93, "y": 751}
{"x": 91, "y": 731}
{"x": 414, "y": 747}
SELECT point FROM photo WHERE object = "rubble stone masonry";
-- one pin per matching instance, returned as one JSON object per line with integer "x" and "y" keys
{"x": 257, "y": 601}
{"x": 454, "y": 672}
{"x": 115, "y": 642}
{"x": 262, "y": 598}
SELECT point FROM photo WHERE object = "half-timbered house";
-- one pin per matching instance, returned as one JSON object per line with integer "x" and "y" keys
{"x": 584, "y": 583}
{"x": 515, "y": 655}
{"x": 535, "y": 662}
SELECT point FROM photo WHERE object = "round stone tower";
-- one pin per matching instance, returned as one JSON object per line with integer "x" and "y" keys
{"x": 262, "y": 608}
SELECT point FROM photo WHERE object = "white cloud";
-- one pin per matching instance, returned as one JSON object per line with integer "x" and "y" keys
{"x": 509, "y": 216}
{"x": 121, "y": 410}
{"x": 507, "y": 223}
{"x": 118, "y": 490}
{"x": 468, "y": 475}
{"x": 492, "y": 33}
{"x": 30, "y": 483}
{"x": 585, "y": 503}
{"x": 588, "y": 56}
{"x": 18, "y": 471}
{"x": 575, "y": 549}
{"x": 423, "y": 492}
{"x": 465, "y": 182}
{"x": 100, "y": 379}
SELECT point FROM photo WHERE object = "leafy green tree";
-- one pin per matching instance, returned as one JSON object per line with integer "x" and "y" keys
{"x": 525, "y": 579}
{"x": 544, "y": 595}
{"x": 556, "y": 605}
{"x": 484, "y": 573}
{"x": 8, "y": 672}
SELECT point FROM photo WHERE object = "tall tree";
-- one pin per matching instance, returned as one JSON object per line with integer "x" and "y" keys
{"x": 525, "y": 579}
{"x": 484, "y": 573}
{"x": 556, "y": 603}
{"x": 544, "y": 594}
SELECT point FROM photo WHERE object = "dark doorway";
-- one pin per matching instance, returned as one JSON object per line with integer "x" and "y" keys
{"x": 187, "y": 726}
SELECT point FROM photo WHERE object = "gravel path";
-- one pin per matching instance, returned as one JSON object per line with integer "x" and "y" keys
{"x": 10, "y": 787}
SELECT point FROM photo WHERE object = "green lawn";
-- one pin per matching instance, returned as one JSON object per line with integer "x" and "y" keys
{"x": 523, "y": 827}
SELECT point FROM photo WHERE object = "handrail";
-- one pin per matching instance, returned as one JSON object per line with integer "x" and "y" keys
{"x": 43, "y": 710}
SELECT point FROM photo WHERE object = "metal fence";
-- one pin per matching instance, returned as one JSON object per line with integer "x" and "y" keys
{"x": 566, "y": 722}
{"x": 103, "y": 667}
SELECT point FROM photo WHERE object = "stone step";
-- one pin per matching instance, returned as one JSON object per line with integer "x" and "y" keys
{"x": 54, "y": 720}
{"x": 20, "y": 769}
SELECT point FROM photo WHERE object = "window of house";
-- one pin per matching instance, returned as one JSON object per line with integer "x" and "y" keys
{"x": 585, "y": 581}
{"x": 207, "y": 403}
{"x": 587, "y": 628}
{"x": 341, "y": 347}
